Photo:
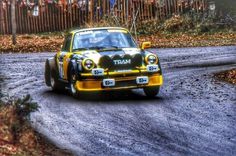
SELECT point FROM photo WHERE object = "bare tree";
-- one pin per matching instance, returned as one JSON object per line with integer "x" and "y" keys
{"x": 13, "y": 21}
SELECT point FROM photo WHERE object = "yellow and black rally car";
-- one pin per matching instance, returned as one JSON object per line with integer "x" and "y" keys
{"x": 103, "y": 59}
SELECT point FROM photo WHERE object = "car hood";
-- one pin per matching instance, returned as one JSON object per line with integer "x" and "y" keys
{"x": 95, "y": 55}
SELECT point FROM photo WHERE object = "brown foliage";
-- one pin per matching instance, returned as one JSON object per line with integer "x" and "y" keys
{"x": 52, "y": 42}
{"x": 19, "y": 138}
{"x": 177, "y": 40}
{"x": 178, "y": 23}
{"x": 229, "y": 76}
{"x": 31, "y": 43}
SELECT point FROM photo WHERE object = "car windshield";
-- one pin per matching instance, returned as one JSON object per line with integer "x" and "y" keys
{"x": 103, "y": 39}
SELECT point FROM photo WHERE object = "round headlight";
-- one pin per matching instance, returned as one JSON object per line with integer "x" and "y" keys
{"x": 88, "y": 64}
{"x": 151, "y": 59}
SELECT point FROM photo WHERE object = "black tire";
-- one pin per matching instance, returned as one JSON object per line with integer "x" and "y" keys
{"x": 47, "y": 73}
{"x": 151, "y": 91}
{"x": 51, "y": 76}
{"x": 72, "y": 82}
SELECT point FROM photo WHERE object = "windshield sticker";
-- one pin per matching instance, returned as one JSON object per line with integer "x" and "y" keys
{"x": 122, "y": 31}
{"x": 85, "y": 32}
{"x": 131, "y": 51}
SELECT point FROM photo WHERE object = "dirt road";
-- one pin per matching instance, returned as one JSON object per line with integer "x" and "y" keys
{"x": 194, "y": 113}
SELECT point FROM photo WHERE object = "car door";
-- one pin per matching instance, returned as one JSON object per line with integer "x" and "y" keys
{"x": 63, "y": 57}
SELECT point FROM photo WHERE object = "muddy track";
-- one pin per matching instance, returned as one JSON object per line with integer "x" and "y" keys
{"x": 194, "y": 114}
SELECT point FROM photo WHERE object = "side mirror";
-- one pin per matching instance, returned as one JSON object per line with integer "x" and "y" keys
{"x": 145, "y": 45}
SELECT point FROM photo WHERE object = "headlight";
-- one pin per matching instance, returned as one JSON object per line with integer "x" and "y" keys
{"x": 151, "y": 59}
{"x": 88, "y": 64}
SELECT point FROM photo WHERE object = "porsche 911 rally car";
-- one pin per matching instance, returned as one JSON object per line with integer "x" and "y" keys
{"x": 103, "y": 59}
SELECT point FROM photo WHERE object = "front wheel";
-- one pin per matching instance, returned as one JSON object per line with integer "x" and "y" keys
{"x": 151, "y": 91}
{"x": 55, "y": 84}
{"x": 72, "y": 84}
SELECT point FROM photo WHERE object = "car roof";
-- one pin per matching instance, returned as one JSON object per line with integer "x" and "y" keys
{"x": 98, "y": 28}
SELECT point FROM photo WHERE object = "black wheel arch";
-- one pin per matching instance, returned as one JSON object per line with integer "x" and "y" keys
{"x": 72, "y": 65}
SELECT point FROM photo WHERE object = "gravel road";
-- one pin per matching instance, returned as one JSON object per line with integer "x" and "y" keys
{"x": 194, "y": 113}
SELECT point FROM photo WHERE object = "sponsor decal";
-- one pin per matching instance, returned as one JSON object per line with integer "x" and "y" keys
{"x": 122, "y": 62}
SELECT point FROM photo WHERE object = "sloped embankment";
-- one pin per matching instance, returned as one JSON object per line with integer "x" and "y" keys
{"x": 17, "y": 137}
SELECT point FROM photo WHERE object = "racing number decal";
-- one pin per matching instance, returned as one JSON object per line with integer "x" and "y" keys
{"x": 152, "y": 68}
{"x": 108, "y": 82}
{"x": 61, "y": 73}
{"x": 60, "y": 65}
{"x": 98, "y": 72}
{"x": 142, "y": 80}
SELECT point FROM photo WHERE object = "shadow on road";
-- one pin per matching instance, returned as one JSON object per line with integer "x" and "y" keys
{"x": 111, "y": 96}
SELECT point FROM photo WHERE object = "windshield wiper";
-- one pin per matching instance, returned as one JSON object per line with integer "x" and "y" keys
{"x": 104, "y": 47}
{"x": 78, "y": 49}
{"x": 97, "y": 47}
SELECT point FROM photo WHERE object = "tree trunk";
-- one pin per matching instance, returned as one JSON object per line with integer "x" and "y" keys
{"x": 13, "y": 21}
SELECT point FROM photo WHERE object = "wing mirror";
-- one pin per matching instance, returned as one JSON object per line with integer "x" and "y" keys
{"x": 145, "y": 45}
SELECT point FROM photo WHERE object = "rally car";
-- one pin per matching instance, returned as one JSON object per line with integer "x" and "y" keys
{"x": 103, "y": 59}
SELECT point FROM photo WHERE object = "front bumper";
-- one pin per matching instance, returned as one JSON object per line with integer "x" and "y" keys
{"x": 122, "y": 83}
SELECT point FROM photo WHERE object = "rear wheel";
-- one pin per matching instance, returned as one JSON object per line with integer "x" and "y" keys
{"x": 47, "y": 74}
{"x": 151, "y": 91}
{"x": 51, "y": 76}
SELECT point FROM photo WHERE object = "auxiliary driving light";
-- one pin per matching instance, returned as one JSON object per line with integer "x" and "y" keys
{"x": 88, "y": 64}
